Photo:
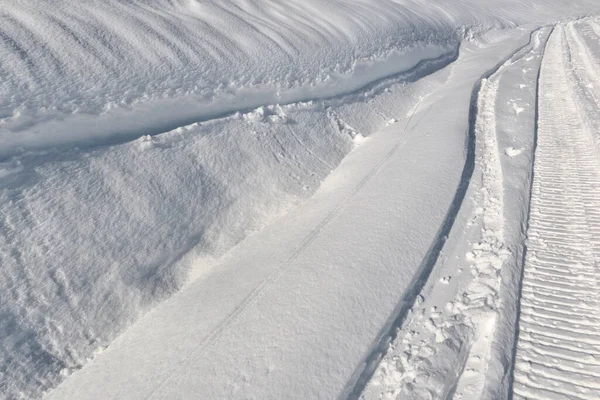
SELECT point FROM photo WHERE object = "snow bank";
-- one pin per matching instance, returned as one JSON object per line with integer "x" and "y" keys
{"x": 93, "y": 57}
{"x": 92, "y": 239}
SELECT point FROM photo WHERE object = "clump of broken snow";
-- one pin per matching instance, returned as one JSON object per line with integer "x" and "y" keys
{"x": 512, "y": 152}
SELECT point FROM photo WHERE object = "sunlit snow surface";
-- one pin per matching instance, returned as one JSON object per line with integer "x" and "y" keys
{"x": 107, "y": 181}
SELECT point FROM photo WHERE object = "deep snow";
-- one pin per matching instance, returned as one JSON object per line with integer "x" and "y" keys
{"x": 142, "y": 140}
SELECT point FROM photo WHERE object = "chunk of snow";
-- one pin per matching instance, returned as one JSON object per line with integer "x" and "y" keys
{"x": 512, "y": 152}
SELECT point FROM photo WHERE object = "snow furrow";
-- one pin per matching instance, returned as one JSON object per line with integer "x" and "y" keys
{"x": 566, "y": 161}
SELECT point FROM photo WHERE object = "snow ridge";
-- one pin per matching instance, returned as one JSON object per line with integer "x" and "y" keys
{"x": 122, "y": 126}
{"x": 160, "y": 62}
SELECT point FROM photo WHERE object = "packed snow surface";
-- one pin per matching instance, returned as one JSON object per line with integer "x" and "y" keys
{"x": 529, "y": 243}
{"x": 557, "y": 352}
{"x": 142, "y": 142}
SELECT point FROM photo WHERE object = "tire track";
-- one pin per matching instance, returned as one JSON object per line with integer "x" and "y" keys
{"x": 558, "y": 349}
{"x": 584, "y": 72}
{"x": 586, "y": 64}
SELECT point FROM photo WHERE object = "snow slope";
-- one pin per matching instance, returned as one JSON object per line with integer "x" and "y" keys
{"x": 141, "y": 140}
{"x": 178, "y": 62}
{"x": 92, "y": 239}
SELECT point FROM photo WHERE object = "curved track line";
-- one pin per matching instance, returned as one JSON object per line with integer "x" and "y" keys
{"x": 492, "y": 320}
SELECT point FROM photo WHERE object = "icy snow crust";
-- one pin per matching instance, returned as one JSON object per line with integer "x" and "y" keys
{"x": 141, "y": 140}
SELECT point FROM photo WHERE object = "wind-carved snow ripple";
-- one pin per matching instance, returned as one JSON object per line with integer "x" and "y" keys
{"x": 558, "y": 350}
{"x": 92, "y": 57}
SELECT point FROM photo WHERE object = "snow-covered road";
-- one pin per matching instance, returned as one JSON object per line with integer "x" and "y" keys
{"x": 456, "y": 338}
{"x": 459, "y": 337}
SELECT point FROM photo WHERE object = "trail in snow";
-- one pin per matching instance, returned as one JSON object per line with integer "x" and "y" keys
{"x": 584, "y": 72}
{"x": 455, "y": 339}
{"x": 558, "y": 348}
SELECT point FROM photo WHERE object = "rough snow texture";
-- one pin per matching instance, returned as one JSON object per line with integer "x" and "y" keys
{"x": 295, "y": 310}
{"x": 92, "y": 239}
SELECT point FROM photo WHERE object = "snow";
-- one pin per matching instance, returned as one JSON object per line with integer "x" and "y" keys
{"x": 560, "y": 298}
{"x": 478, "y": 336}
{"x": 512, "y": 152}
{"x": 111, "y": 231}
{"x": 162, "y": 160}
{"x": 98, "y": 72}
